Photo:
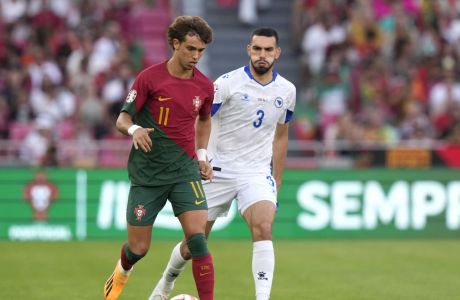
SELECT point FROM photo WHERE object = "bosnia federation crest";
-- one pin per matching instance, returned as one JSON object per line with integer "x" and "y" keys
{"x": 131, "y": 96}
{"x": 139, "y": 212}
{"x": 196, "y": 103}
{"x": 278, "y": 102}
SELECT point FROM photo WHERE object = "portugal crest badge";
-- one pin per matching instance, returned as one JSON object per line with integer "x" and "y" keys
{"x": 196, "y": 103}
{"x": 40, "y": 193}
{"x": 139, "y": 212}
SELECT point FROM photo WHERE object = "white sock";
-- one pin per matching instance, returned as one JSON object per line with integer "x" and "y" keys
{"x": 175, "y": 265}
{"x": 263, "y": 266}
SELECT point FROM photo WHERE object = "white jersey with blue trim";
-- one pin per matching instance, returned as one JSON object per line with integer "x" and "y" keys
{"x": 244, "y": 118}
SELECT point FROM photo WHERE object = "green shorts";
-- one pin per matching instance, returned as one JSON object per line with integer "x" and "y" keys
{"x": 145, "y": 202}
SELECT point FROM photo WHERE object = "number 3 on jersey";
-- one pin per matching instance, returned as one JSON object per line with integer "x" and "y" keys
{"x": 260, "y": 116}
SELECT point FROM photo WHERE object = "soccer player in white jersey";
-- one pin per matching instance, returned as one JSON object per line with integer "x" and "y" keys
{"x": 251, "y": 112}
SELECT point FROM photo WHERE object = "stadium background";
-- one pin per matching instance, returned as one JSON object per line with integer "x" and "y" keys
{"x": 374, "y": 147}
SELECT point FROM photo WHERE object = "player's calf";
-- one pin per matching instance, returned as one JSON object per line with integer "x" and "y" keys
{"x": 202, "y": 266}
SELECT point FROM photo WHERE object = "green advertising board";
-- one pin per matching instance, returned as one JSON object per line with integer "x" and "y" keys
{"x": 68, "y": 204}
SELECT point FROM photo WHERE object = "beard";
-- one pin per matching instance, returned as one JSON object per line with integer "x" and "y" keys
{"x": 261, "y": 70}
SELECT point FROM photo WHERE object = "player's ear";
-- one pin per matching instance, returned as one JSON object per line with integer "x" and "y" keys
{"x": 175, "y": 44}
{"x": 277, "y": 52}
{"x": 248, "y": 49}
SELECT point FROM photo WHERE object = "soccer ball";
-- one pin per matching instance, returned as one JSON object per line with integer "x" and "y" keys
{"x": 184, "y": 297}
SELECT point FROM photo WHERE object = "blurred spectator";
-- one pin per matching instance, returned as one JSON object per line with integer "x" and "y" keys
{"x": 248, "y": 10}
{"x": 345, "y": 130}
{"x": 450, "y": 151}
{"x": 22, "y": 111}
{"x": 331, "y": 96}
{"x": 370, "y": 85}
{"x": 93, "y": 113}
{"x": 117, "y": 87}
{"x": 15, "y": 92}
{"x": 322, "y": 34}
{"x": 416, "y": 126}
{"x": 53, "y": 101}
{"x": 83, "y": 152}
{"x": 444, "y": 101}
{"x": 454, "y": 135}
{"x": 80, "y": 67}
{"x": 13, "y": 10}
{"x": 41, "y": 66}
{"x": 365, "y": 34}
{"x": 50, "y": 158}
{"x": 36, "y": 145}
{"x": 4, "y": 117}
{"x": 63, "y": 9}
{"x": 105, "y": 47}
{"x": 376, "y": 129}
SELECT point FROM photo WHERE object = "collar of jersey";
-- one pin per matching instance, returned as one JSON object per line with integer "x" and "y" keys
{"x": 248, "y": 71}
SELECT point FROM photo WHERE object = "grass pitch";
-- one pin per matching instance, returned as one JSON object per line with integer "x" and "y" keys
{"x": 305, "y": 269}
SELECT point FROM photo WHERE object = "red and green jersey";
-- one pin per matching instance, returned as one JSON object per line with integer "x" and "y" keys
{"x": 170, "y": 105}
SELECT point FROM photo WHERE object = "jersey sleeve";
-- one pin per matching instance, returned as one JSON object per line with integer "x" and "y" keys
{"x": 290, "y": 105}
{"x": 221, "y": 92}
{"x": 205, "y": 109}
{"x": 137, "y": 95}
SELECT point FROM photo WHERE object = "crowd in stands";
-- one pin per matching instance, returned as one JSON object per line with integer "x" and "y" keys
{"x": 378, "y": 71}
{"x": 66, "y": 67}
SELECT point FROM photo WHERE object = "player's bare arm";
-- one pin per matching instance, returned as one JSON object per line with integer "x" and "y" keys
{"x": 141, "y": 137}
{"x": 280, "y": 143}
{"x": 202, "y": 133}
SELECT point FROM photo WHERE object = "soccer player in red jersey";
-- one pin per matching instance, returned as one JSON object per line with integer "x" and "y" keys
{"x": 167, "y": 113}
{"x": 252, "y": 108}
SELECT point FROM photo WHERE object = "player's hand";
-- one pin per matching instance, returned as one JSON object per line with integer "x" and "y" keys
{"x": 141, "y": 139}
{"x": 205, "y": 170}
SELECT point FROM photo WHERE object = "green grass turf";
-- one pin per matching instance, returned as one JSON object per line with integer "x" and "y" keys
{"x": 305, "y": 269}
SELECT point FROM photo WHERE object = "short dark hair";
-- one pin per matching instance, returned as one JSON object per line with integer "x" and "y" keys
{"x": 265, "y": 31}
{"x": 189, "y": 25}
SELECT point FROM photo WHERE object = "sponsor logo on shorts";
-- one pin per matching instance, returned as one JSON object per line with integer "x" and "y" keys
{"x": 198, "y": 202}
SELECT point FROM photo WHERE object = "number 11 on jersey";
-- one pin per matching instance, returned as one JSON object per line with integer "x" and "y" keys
{"x": 163, "y": 120}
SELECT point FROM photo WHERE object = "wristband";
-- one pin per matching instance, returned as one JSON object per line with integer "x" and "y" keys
{"x": 133, "y": 128}
{"x": 201, "y": 154}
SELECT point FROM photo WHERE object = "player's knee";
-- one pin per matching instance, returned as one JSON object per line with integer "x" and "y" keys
{"x": 184, "y": 251}
{"x": 197, "y": 245}
{"x": 262, "y": 231}
{"x": 140, "y": 247}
